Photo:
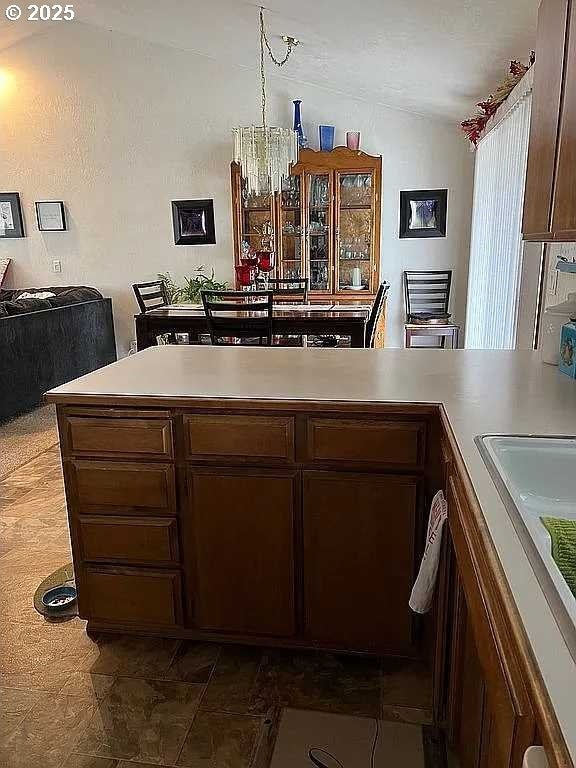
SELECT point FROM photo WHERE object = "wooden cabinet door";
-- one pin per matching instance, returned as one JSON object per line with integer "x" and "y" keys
{"x": 546, "y": 101}
{"x": 507, "y": 718}
{"x": 243, "y": 540}
{"x": 564, "y": 213}
{"x": 359, "y": 559}
{"x": 466, "y": 689}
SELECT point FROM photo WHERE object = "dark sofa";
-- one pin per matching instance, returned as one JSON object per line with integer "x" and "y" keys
{"x": 46, "y": 342}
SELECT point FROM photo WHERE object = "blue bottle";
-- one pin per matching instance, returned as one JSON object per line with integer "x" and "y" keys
{"x": 302, "y": 140}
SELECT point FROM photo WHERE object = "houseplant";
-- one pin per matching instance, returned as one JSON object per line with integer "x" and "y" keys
{"x": 190, "y": 291}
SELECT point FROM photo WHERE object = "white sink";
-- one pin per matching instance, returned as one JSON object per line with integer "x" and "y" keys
{"x": 536, "y": 477}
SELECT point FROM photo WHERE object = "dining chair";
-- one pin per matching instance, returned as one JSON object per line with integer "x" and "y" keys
{"x": 427, "y": 299}
{"x": 427, "y": 293}
{"x": 239, "y": 316}
{"x": 375, "y": 314}
{"x": 286, "y": 288}
{"x": 151, "y": 295}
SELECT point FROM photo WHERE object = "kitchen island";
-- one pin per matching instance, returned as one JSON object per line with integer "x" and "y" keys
{"x": 279, "y": 496}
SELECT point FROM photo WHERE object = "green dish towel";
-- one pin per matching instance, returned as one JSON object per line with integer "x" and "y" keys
{"x": 563, "y": 535}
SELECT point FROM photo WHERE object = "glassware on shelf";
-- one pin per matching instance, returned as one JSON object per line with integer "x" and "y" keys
{"x": 326, "y": 133}
{"x": 291, "y": 192}
{"x": 353, "y": 139}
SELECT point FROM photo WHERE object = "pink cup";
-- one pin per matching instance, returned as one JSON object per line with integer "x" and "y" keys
{"x": 353, "y": 139}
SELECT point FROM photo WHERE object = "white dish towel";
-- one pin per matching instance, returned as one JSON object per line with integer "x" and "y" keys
{"x": 423, "y": 590}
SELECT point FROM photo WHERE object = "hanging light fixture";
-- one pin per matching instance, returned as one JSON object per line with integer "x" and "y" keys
{"x": 265, "y": 153}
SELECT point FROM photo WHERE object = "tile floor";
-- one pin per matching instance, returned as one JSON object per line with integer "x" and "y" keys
{"x": 127, "y": 702}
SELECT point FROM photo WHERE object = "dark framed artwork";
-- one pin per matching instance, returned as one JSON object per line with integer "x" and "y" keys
{"x": 423, "y": 213}
{"x": 11, "y": 222}
{"x": 193, "y": 222}
{"x": 51, "y": 216}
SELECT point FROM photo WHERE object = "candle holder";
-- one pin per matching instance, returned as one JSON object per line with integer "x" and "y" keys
{"x": 266, "y": 263}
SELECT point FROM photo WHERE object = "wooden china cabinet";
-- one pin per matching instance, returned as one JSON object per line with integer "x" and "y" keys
{"x": 324, "y": 225}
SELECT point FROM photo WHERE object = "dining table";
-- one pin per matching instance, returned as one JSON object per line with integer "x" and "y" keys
{"x": 289, "y": 319}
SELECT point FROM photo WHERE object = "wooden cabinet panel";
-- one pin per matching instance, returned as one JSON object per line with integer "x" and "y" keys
{"x": 511, "y": 718}
{"x": 359, "y": 550}
{"x": 123, "y": 487}
{"x": 564, "y": 214}
{"x": 244, "y": 528}
{"x": 252, "y": 437}
{"x": 119, "y": 437}
{"x": 546, "y": 101}
{"x": 138, "y": 541}
{"x": 396, "y": 443}
{"x": 131, "y": 596}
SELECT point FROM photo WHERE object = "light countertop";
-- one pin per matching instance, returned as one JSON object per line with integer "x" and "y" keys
{"x": 481, "y": 391}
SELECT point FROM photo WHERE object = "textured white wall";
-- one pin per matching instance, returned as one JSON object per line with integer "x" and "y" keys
{"x": 117, "y": 128}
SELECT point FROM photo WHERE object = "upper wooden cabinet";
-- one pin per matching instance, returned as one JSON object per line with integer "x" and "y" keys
{"x": 324, "y": 225}
{"x": 564, "y": 208}
{"x": 550, "y": 197}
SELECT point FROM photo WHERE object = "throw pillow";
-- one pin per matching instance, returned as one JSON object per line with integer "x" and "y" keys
{"x": 4, "y": 261}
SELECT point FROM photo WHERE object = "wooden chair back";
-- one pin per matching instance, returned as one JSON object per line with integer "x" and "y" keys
{"x": 427, "y": 292}
{"x": 239, "y": 315}
{"x": 375, "y": 314}
{"x": 285, "y": 288}
{"x": 151, "y": 295}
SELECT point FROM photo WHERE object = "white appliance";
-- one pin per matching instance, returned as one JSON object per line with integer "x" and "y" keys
{"x": 552, "y": 321}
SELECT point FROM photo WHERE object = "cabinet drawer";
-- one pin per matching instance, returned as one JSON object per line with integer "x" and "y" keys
{"x": 123, "y": 488}
{"x": 134, "y": 540}
{"x": 131, "y": 596}
{"x": 119, "y": 437}
{"x": 398, "y": 443}
{"x": 253, "y": 437}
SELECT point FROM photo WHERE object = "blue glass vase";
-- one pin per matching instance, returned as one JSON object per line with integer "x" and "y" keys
{"x": 302, "y": 140}
{"x": 326, "y": 137}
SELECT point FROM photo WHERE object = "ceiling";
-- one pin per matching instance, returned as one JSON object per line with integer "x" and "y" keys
{"x": 433, "y": 57}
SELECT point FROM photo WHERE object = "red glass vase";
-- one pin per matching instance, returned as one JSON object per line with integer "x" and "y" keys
{"x": 244, "y": 275}
{"x": 265, "y": 261}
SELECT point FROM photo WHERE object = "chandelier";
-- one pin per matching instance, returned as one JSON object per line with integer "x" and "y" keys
{"x": 265, "y": 153}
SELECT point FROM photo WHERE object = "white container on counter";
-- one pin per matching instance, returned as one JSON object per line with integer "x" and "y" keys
{"x": 552, "y": 321}
{"x": 535, "y": 757}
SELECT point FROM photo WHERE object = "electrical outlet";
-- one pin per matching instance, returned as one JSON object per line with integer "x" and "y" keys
{"x": 57, "y": 266}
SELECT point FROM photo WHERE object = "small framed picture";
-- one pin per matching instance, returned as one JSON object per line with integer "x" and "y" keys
{"x": 423, "y": 213}
{"x": 11, "y": 222}
{"x": 51, "y": 216}
{"x": 193, "y": 222}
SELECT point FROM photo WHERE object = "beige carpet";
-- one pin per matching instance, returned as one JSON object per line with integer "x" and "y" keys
{"x": 26, "y": 437}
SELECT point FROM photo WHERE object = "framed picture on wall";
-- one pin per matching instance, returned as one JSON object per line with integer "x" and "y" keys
{"x": 51, "y": 216}
{"x": 423, "y": 213}
{"x": 193, "y": 222}
{"x": 11, "y": 222}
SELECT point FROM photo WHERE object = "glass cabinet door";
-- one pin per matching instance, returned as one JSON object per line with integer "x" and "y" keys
{"x": 354, "y": 232}
{"x": 291, "y": 234}
{"x": 319, "y": 231}
{"x": 257, "y": 224}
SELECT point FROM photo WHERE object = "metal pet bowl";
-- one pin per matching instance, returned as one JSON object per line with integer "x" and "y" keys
{"x": 59, "y": 598}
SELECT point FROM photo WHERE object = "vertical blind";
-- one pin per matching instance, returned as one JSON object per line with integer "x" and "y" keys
{"x": 496, "y": 244}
